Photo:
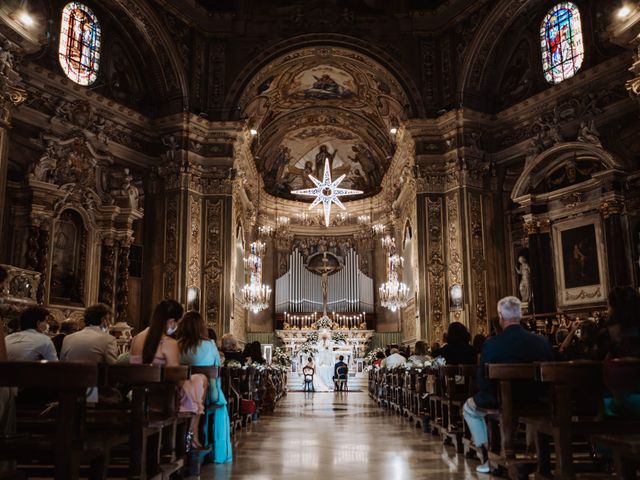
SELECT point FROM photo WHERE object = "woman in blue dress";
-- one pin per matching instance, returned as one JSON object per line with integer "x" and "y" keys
{"x": 196, "y": 349}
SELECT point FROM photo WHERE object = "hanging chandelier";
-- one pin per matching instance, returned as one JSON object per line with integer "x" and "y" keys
{"x": 255, "y": 295}
{"x": 394, "y": 294}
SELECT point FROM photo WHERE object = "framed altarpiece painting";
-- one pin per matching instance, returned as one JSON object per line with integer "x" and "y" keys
{"x": 580, "y": 261}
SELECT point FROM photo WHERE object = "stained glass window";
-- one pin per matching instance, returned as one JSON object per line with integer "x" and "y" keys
{"x": 561, "y": 42}
{"x": 79, "y": 50}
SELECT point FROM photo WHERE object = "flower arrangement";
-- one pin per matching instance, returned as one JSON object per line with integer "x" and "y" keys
{"x": 232, "y": 364}
{"x": 312, "y": 337}
{"x": 371, "y": 356}
{"x": 309, "y": 347}
{"x": 280, "y": 357}
{"x": 324, "y": 322}
{"x": 338, "y": 337}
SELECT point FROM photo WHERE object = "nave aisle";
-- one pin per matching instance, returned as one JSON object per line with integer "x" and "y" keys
{"x": 338, "y": 436}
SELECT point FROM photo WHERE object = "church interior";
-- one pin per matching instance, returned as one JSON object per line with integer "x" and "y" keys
{"x": 391, "y": 239}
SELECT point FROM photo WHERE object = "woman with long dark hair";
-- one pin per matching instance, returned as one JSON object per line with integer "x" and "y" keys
{"x": 154, "y": 346}
{"x": 197, "y": 349}
{"x": 458, "y": 349}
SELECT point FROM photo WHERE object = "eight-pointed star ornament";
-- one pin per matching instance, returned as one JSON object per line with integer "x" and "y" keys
{"x": 326, "y": 192}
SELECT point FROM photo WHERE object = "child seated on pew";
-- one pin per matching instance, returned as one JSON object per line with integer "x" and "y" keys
{"x": 198, "y": 350}
{"x": 155, "y": 346}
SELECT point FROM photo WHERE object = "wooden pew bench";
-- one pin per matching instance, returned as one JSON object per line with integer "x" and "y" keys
{"x": 574, "y": 414}
{"x": 508, "y": 448}
{"x": 625, "y": 450}
{"x": 57, "y": 443}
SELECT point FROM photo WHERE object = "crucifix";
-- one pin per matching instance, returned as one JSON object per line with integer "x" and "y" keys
{"x": 324, "y": 271}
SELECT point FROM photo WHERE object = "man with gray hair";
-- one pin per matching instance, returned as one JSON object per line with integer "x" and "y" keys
{"x": 513, "y": 345}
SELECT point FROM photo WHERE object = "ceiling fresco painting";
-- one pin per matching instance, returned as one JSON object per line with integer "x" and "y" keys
{"x": 323, "y": 103}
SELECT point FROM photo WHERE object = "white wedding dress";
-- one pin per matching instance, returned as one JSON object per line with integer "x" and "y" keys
{"x": 325, "y": 362}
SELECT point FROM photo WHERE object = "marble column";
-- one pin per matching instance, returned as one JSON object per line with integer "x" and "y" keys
{"x": 617, "y": 255}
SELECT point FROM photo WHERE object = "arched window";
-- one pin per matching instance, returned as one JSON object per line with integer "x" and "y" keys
{"x": 79, "y": 50}
{"x": 561, "y": 42}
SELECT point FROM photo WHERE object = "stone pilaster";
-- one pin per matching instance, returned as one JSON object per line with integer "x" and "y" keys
{"x": 122, "y": 282}
{"x": 618, "y": 259}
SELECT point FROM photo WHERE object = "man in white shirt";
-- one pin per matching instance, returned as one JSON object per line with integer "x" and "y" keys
{"x": 31, "y": 344}
{"x": 92, "y": 343}
{"x": 394, "y": 360}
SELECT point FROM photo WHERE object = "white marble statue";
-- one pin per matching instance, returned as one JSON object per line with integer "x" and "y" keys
{"x": 525, "y": 279}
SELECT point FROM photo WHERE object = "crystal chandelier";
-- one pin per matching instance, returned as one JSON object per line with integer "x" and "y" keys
{"x": 255, "y": 295}
{"x": 393, "y": 293}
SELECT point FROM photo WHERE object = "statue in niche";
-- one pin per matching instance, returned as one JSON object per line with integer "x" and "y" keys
{"x": 68, "y": 249}
{"x": 525, "y": 278}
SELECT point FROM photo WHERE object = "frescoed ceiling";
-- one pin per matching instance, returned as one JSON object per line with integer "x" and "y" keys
{"x": 319, "y": 103}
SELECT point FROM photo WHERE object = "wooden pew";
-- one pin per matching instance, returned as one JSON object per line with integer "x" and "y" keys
{"x": 573, "y": 415}
{"x": 61, "y": 438}
{"x": 626, "y": 453}
{"x": 507, "y": 449}
{"x": 233, "y": 397}
{"x": 454, "y": 393}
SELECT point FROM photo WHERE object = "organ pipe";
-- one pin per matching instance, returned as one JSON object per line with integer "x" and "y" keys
{"x": 298, "y": 290}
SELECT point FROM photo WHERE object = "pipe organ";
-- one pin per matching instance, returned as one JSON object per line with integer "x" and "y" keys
{"x": 348, "y": 290}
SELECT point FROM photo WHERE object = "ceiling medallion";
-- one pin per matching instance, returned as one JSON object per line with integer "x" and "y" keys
{"x": 327, "y": 192}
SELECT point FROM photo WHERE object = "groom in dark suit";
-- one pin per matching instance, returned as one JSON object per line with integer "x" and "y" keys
{"x": 340, "y": 372}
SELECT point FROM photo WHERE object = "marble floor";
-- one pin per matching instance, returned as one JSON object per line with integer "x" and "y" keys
{"x": 338, "y": 436}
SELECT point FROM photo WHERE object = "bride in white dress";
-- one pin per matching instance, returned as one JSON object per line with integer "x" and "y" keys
{"x": 325, "y": 362}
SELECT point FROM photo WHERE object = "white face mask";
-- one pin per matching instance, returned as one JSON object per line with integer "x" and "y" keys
{"x": 104, "y": 328}
{"x": 171, "y": 330}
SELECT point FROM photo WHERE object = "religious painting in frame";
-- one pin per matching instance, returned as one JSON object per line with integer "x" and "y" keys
{"x": 580, "y": 262}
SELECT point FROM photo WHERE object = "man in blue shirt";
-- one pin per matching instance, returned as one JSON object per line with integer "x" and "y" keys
{"x": 513, "y": 345}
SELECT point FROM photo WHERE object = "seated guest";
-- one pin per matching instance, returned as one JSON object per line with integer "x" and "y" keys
{"x": 380, "y": 356}
{"x": 583, "y": 342}
{"x": 394, "y": 360}
{"x": 197, "y": 349}
{"x": 92, "y": 343}
{"x": 31, "y": 344}
{"x": 623, "y": 327}
{"x": 458, "y": 350}
{"x": 255, "y": 353}
{"x": 154, "y": 346}
{"x": 513, "y": 345}
{"x": 66, "y": 328}
{"x": 623, "y": 324}
{"x": 230, "y": 349}
{"x": 338, "y": 368}
{"x": 419, "y": 353}
{"x": 478, "y": 343}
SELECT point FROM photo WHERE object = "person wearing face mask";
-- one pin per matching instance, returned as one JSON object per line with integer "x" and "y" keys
{"x": 31, "y": 344}
{"x": 93, "y": 343}
{"x": 154, "y": 344}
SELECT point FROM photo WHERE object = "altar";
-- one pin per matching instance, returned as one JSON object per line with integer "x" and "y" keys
{"x": 353, "y": 347}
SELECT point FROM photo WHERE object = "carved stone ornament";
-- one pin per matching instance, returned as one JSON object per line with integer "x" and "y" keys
{"x": 633, "y": 85}
{"x": 611, "y": 207}
{"x": 11, "y": 95}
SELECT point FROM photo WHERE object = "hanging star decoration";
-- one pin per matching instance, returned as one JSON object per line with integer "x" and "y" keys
{"x": 326, "y": 192}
